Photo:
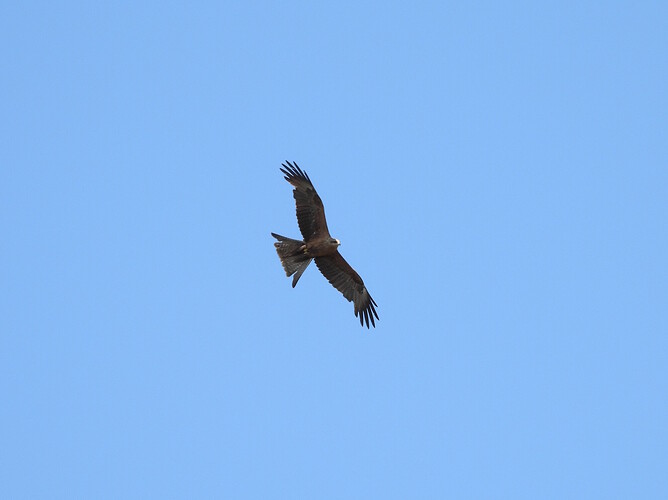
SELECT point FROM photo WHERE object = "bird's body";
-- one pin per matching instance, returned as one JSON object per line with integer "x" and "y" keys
{"x": 296, "y": 255}
{"x": 322, "y": 248}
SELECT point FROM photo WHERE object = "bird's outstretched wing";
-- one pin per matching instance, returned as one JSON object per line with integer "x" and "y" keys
{"x": 310, "y": 212}
{"x": 344, "y": 278}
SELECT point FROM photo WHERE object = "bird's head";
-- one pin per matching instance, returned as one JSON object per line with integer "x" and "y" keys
{"x": 334, "y": 241}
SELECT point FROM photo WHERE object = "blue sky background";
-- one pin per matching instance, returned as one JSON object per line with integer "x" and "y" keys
{"x": 497, "y": 173}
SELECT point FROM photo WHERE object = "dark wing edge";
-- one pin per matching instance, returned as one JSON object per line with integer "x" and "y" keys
{"x": 344, "y": 278}
{"x": 293, "y": 172}
{"x": 310, "y": 210}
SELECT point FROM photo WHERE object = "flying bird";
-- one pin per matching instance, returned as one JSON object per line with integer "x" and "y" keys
{"x": 318, "y": 244}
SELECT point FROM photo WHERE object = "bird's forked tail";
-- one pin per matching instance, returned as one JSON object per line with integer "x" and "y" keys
{"x": 293, "y": 256}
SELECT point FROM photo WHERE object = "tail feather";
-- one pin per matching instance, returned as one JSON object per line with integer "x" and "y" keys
{"x": 293, "y": 258}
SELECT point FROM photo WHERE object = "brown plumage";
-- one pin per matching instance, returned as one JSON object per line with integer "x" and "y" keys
{"x": 296, "y": 255}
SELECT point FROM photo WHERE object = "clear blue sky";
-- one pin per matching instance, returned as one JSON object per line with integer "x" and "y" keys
{"x": 496, "y": 171}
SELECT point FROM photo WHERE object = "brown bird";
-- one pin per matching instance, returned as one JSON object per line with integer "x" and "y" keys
{"x": 296, "y": 255}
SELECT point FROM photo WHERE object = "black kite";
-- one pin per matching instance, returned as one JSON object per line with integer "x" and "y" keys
{"x": 296, "y": 255}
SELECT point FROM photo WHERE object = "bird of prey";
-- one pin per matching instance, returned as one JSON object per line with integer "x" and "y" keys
{"x": 296, "y": 255}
